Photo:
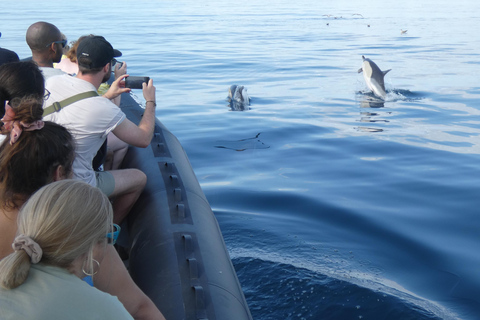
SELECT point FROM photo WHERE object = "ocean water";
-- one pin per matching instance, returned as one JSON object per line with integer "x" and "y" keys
{"x": 333, "y": 204}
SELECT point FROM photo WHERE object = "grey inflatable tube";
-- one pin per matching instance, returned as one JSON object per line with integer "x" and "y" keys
{"x": 177, "y": 252}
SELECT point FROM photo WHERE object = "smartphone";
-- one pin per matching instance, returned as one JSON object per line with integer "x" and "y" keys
{"x": 135, "y": 82}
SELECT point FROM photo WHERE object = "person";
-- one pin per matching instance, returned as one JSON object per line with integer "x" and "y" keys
{"x": 46, "y": 43}
{"x": 50, "y": 150}
{"x": 90, "y": 120}
{"x": 59, "y": 228}
{"x": 52, "y": 61}
{"x": 111, "y": 155}
{"x": 68, "y": 63}
{"x": 38, "y": 158}
{"x": 25, "y": 73}
{"x": 7, "y": 56}
{"x": 115, "y": 148}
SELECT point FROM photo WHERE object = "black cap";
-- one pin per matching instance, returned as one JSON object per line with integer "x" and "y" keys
{"x": 95, "y": 52}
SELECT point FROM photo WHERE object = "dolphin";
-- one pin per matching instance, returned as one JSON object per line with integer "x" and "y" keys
{"x": 238, "y": 98}
{"x": 374, "y": 77}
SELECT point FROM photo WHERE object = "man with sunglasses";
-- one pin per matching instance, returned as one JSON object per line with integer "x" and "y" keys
{"x": 46, "y": 43}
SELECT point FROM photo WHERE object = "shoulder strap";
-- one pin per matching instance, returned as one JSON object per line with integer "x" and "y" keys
{"x": 57, "y": 106}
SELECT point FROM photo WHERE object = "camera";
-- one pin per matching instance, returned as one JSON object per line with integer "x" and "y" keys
{"x": 135, "y": 82}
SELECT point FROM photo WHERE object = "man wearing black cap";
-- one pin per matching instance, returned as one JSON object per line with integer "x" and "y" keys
{"x": 91, "y": 119}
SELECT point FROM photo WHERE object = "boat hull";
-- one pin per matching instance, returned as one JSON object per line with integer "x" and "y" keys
{"x": 177, "y": 254}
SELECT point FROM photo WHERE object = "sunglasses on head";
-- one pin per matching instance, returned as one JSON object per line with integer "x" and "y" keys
{"x": 112, "y": 236}
{"x": 62, "y": 42}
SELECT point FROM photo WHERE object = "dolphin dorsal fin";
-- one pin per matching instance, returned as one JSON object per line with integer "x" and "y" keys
{"x": 231, "y": 91}
{"x": 386, "y": 71}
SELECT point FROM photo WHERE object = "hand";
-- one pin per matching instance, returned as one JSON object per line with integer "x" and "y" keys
{"x": 117, "y": 88}
{"x": 120, "y": 71}
{"x": 149, "y": 91}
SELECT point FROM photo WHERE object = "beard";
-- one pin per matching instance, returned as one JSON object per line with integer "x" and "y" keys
{"x": 58, "y": 56}
{"x": 107, "y": 75}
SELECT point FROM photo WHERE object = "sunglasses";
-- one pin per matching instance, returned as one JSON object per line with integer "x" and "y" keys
{"x": 46, "y": 95}
{"x": 115, "y": 61}
{"x": 113, "y": 236}
{"x": 62, "y": 42}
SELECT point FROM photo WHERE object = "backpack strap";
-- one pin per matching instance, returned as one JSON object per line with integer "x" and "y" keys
{"x": 57, "y": 106}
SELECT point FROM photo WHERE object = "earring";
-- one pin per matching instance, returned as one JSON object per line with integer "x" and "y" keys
{"x": 92, "y": 273}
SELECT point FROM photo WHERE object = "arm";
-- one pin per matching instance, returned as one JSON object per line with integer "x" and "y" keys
{"x": 113, "y": 278}
{"x": 141, "y": 135}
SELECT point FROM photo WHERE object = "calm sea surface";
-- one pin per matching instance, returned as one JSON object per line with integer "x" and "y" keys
{"x": 333, "y": 205}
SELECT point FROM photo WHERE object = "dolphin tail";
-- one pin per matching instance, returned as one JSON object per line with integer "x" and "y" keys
{"x": 386, "y": 71}
{"x": 360, "y": 70}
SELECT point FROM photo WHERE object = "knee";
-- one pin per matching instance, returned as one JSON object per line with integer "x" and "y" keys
{"x": 129, "y": 180}
{"x": 142, "y": 178}
{"x": 138, "y": 179}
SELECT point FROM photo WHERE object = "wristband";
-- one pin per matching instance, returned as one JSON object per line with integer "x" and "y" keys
{"x": 154, "y": 103}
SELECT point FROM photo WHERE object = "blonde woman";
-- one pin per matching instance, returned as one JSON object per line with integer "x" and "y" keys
{"x": 59, "y": 227}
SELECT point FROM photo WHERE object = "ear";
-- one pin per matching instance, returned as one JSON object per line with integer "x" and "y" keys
{"x": 106, "y": 68}
{"x": 59, "y": 173}
{"x": 53, "y": 48}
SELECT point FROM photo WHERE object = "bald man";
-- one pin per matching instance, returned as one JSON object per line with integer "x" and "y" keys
{"x": 47, "y": 43}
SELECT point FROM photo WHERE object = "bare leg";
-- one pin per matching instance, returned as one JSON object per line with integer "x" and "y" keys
{"x": 129, "y": 184}
{"x": 116, "y": 151}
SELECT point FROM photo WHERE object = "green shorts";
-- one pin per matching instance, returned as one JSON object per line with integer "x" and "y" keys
{"x": 105, "y": 182}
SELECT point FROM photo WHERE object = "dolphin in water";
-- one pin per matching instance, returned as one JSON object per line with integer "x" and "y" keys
{"x": 374, "y": 77}
{"x": 238, "y": 98}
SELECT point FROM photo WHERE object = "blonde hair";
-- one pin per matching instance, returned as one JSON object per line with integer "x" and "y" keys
{"x": 67, "y": 219}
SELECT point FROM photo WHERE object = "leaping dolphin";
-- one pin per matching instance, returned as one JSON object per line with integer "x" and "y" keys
{"x": 374, "y": 77}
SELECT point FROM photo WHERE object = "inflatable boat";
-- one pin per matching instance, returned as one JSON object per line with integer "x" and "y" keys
{"x": 177, "y": 254}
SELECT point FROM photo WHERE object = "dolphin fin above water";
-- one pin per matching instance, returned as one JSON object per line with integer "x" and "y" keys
{"x": 374, "y": 77}
{"x": 239, "y": 93}
{"x": 238, "y": 98}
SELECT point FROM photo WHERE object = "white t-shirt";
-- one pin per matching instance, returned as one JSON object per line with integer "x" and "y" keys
{"x": 89, "y": 120}
{"x": 50, "y": 72}
{"x": 54, "y": 293}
